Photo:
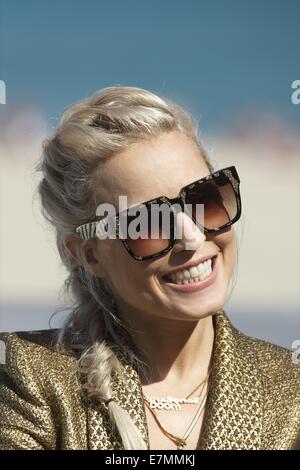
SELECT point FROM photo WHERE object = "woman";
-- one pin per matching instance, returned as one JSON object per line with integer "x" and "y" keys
{"x": 148, "y": 358}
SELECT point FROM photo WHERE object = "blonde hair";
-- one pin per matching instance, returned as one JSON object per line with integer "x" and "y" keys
{"x": 89, "y": 132}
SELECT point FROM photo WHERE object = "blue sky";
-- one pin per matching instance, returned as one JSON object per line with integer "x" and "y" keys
{"x": 219, "y": 57}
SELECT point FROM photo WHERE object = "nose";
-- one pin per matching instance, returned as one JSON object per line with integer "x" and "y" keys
{"x": 188, "y": 235}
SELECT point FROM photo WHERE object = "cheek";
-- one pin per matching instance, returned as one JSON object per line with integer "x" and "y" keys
{"x": 124, "y": 274}
{"x": 226, "y": 243}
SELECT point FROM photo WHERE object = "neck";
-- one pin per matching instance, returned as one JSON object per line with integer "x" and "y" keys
{"x": 174, "y": 350}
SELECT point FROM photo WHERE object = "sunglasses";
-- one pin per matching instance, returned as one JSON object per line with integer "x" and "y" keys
{"x": 218, "y": 193}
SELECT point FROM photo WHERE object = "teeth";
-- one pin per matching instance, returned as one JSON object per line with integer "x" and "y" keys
{"x": 179, "y": 276}
{"x": 193, "y": 274}
{"x": 186, "y": 274}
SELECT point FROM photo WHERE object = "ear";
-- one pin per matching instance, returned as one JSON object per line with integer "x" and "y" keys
{"x": 85, "y": 253}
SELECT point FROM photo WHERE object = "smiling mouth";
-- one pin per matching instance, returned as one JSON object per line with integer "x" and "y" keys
{"x": 192, "y": 275}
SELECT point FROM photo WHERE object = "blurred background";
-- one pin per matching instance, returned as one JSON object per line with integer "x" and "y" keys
{"x": 230, "y": 62}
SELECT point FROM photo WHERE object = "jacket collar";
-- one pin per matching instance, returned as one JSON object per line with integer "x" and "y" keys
{"x": 233, "y": 418}
{"x": 234, "y": 408}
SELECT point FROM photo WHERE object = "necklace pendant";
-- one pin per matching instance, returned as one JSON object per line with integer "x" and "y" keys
{"x": 171, "y": 406}
{"x": 180, "y": 442}
{"x": 180, "y": 447}
{"x": 168, "y": 404}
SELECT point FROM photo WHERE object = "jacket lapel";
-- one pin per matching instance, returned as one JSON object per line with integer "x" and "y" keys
{"x": 234, "y": 408}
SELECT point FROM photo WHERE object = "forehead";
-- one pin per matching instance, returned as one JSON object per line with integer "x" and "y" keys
{"x": 150, "y": 168}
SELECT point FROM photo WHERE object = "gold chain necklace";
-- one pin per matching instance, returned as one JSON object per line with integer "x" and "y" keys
{"x": 170, "y": 403}
{"x": 180, "y": 442}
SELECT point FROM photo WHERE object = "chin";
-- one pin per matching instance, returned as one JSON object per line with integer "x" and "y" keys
{"x": 204, "y": 309}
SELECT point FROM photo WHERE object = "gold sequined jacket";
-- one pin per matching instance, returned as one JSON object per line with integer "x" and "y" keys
{"x": 253, "y": 403}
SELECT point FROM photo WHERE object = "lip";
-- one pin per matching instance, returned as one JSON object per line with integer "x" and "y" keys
{"x": 197, "y": 286}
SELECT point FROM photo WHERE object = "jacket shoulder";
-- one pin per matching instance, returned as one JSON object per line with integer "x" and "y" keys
{"x": 267, "y": 353}
{"x": 31, "y": 357}
{"x": 45, "y": 338}
{"x": 36, "y": 345}
{"x": 275, "y": 363}
{"x": 39, "y": 390}
{"x": 279, "y": 371}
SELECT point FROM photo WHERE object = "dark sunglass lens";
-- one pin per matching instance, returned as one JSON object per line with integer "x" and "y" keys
{"x": 152, "y": 234}
{"x": 218, "y": 197}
